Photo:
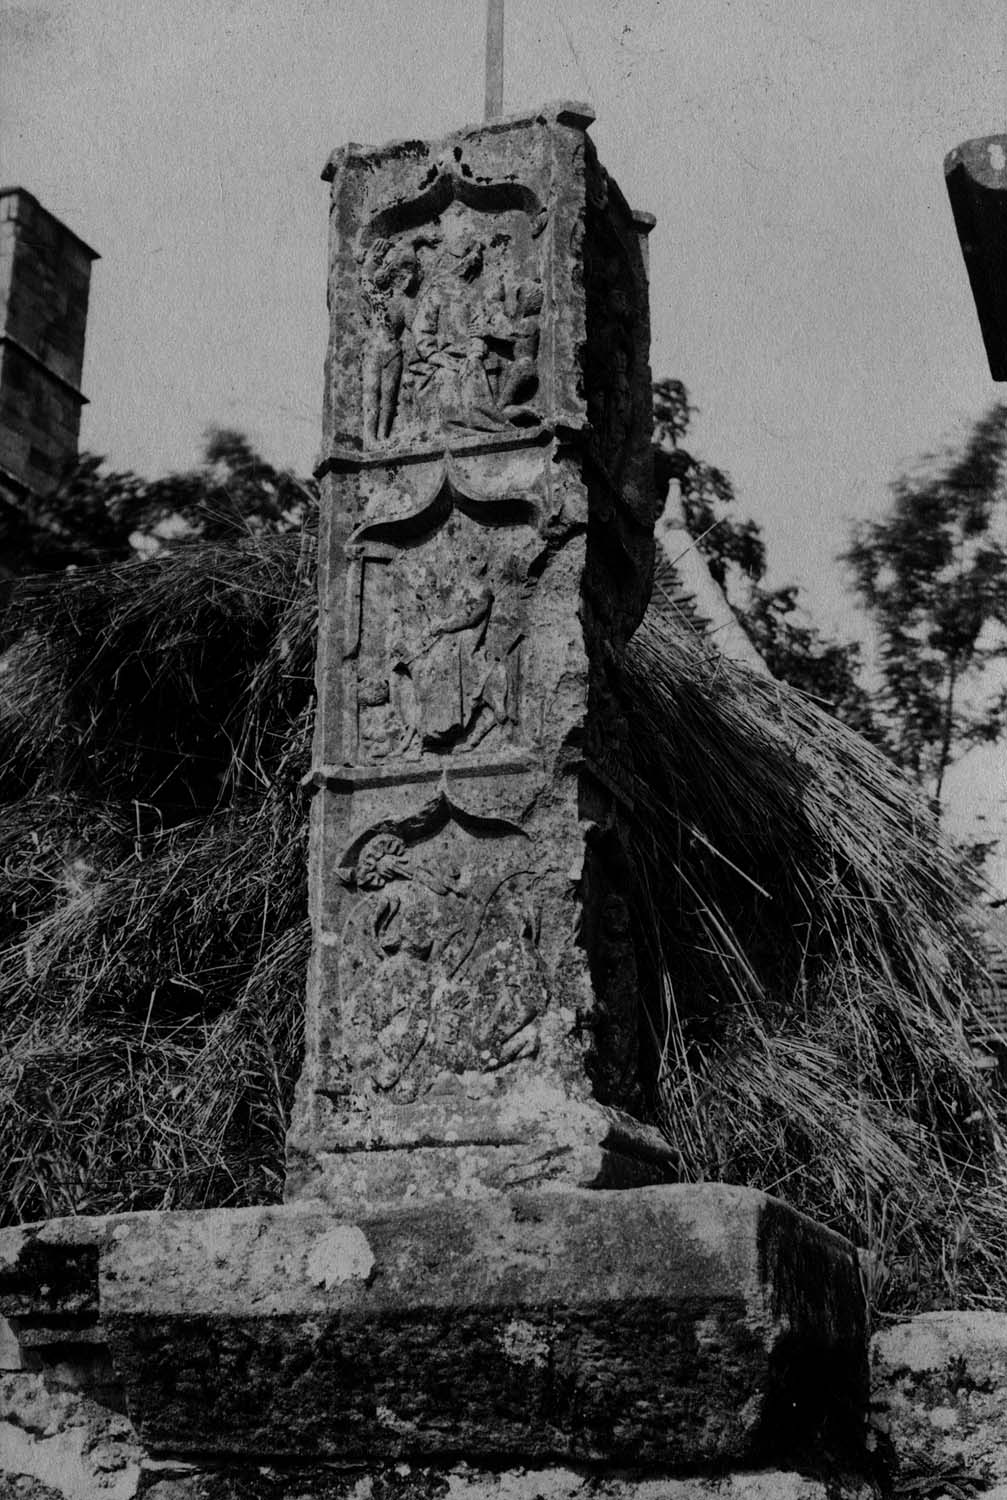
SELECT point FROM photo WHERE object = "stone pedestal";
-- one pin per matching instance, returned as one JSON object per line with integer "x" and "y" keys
{"x": 476, "y": 995}
{"x": 678, "y": 1329}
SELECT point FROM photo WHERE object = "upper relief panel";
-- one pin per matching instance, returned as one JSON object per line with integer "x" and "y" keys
{"x": 452, "y": 326}
{"x": 447, "y": 267}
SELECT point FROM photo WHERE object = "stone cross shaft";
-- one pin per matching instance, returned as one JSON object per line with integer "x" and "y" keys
{"x": 486, "y": 545}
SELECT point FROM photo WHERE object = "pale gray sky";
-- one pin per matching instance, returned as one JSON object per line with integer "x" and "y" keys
{"x": 807, "y": 283}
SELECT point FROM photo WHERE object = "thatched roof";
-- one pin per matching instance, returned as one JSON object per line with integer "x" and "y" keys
{"x": 991, "y": 998}
{"x": 686, "y": 595}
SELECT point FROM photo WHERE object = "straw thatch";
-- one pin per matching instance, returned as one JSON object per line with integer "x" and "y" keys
{"x": 154, "y": 732}
{"x": 818, "y": 971}
{"x": 807, "y": 928}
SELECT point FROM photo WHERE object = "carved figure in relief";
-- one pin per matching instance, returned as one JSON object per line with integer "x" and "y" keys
{"x": 388, "y": 284}
{"x": 450, "y": 341}
{"x": 494, "y": 703}
{"x": 458, "y": 684}
{"x": 438, "y": 969}
{"x": 446, "y": 666}
{"x": 451, "y": 375}
{"x": 520, "y": 381}
{"x": 409, "y": 744}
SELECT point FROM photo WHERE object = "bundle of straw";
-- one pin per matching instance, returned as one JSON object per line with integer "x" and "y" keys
{"x": 816, "y": 970}
{"x": 153, "y": 937}
{"x": 806, "y": 933}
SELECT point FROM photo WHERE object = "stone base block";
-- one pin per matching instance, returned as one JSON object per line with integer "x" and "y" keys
{"x": 464, "y": 1483}
{"x": 938, "y": 1383}
{"x": 679, "y": 1327}
{"x": 558, "y": 1145}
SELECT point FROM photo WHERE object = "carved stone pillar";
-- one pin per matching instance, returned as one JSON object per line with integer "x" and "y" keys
{"x": 474, "y": 1011}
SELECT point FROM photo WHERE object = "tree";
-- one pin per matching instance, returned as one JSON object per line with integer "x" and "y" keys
{"x": 98, "y": 515}
{"x": 933, "y": 575}
{"x": 792, "y": 647}
{"x": 796, "y": 651}
{"x": 734, "y": 550}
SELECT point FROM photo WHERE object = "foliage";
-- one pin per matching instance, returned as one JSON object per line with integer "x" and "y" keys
{"x": 99, "y": 515}
{"x": 796, "y": 652}
{"x": 733, "y": 549}
{"x": 790, "y": 644}
{"x": 933, "y": 574}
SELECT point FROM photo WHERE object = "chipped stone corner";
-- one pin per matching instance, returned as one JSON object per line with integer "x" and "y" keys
{"x": 61, "y": 1444}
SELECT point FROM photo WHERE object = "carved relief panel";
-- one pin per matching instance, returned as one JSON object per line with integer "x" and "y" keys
{"x": 451, "y": 307}
{"x": 437, "y": 593}
{"x": 439, "y": 974}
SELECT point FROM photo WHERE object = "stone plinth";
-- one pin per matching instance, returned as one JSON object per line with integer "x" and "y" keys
{"x": 681, "y": 1327}
{"x": 475, "y": 1007}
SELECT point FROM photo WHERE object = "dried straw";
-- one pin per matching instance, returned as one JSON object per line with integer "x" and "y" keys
{"x": 807, "y": 934}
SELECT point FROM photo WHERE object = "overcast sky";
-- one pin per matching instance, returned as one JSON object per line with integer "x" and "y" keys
{"x": 806, "y": 279}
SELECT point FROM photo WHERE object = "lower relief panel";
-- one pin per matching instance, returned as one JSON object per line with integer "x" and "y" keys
{"x": 440, "y": 1011}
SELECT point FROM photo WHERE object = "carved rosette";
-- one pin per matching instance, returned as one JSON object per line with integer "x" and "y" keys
{"x": 484, "y": 548}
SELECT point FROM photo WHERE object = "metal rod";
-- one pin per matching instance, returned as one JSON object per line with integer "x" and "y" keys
{"x": 494, "y": 58}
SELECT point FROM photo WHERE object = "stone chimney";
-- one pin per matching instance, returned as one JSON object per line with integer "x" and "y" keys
{"x": 45, "y": 274}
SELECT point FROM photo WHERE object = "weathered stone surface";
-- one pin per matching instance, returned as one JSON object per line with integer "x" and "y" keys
{"x": 486, "y": 545}
{"x": 678, "y": 1326}
{"x": 462, "y": 1482}
{"x": 60, "y": 1445}
{"x": 938, "y": 1386}
{"x": 279, "y": 1481}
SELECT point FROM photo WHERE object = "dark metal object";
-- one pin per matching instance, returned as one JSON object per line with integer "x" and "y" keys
{"x": 976, "y": 176}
